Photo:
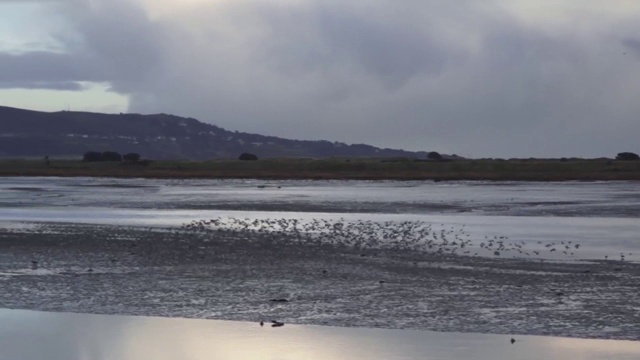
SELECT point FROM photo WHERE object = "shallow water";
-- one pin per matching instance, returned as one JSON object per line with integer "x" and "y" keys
{"x": 591, "y": 199}
{"x": 600, "y": 216}
{"x": 30, "y": 335}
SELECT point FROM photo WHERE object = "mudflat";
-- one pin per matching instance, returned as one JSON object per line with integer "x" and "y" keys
{"x": 235, "y": 275}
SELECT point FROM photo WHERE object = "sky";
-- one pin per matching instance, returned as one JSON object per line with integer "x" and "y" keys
{"x": 491, "y": 78}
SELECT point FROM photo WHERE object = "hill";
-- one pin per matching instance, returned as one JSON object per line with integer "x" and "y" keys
{"x": 27, "y": 133}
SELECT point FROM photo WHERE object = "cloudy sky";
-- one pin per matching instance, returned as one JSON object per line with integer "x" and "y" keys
{"x": 491, "y": 78}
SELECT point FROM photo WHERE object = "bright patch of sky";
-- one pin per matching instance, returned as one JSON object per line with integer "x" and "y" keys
{"x": 94, "y": 97}
{"x": 25, "y": 27}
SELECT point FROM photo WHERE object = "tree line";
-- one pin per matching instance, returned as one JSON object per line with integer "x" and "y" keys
{"x": 94, "y": 156}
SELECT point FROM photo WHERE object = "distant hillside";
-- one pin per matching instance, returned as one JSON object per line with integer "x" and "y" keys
{"x": 26, "y": 133}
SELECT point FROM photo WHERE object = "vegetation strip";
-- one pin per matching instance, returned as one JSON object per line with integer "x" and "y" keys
{"x": 338, "y": 168}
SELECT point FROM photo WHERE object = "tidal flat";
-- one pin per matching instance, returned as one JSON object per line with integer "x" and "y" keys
{"x": 554, "y": 259}
{"x": 125, "y": 270}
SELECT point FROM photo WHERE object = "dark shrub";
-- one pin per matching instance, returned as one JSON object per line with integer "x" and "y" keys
{"x": 111, "y": 156}
{"x": 247, "y": 156}
{"x": 92, "y": 156}
{"x": 627, "y": 156}
{"x": 434, "y": 156}
{"x": 131, "y": 157}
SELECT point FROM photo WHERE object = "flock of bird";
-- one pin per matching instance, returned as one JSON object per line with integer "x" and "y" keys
{"x": 388, "y": 235}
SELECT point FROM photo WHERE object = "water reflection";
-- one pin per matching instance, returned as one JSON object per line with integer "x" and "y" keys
{"x": 606, "y": 199}
{"x": 30, "y": 335}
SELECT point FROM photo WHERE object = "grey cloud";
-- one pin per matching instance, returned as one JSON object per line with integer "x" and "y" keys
{"x": 123, "y": 42}
{"x": 29, "y": 1}
{"x": 523, "y": 92}
{"x": 632, "y": 44}
{"x": 46, "y": 67}
{"x": 117, "y": 44}
{"x": 315, "y": 38}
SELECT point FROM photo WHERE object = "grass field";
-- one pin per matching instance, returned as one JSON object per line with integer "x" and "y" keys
{"x": 340, "y": 168}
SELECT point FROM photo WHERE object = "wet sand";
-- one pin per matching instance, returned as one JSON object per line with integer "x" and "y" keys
{"x": 234, "y": 276}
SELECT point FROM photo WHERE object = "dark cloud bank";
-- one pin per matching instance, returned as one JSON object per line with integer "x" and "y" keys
{"x": 470, "y": 79}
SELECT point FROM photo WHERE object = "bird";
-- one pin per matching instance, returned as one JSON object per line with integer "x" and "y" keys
{"x": 279, "y": 300}
{"x": 513, "y": 340}
{"x": 261, "y": 323}
{"x": 276, "y": 323}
